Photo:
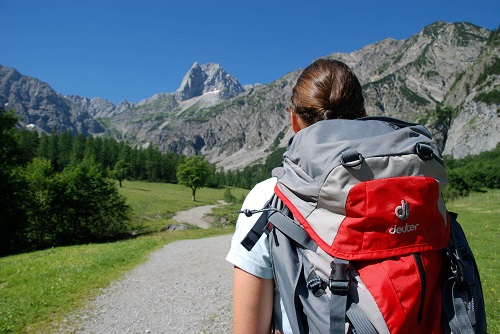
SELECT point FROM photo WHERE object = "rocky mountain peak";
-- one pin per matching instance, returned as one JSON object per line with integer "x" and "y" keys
{"x": 208, "y": 78}
{"x": 446, "y": 66}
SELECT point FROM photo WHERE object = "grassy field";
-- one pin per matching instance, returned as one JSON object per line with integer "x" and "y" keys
{"x": 38, "y": 289}
{"x": 155, "y": 204}
{"x": 479, "y": 216}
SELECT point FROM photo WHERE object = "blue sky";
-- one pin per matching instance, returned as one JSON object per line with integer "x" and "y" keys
{"x": 133, "y": 49}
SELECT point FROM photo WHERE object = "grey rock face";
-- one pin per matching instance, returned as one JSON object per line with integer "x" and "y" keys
{"x": 436, "y": 68}
{"x": 208, "y": 78}
{"x": 25, "y": 95}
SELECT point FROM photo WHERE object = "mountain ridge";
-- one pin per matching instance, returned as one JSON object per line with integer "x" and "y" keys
{"x": 211, "y": 114}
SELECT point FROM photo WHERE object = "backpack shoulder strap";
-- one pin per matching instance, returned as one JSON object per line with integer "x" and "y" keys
{"x": 260, "y": 225}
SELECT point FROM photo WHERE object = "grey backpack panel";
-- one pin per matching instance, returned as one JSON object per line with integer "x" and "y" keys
{"x": 315, "y": 153}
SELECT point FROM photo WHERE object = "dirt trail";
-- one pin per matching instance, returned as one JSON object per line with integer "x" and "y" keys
{"x": 195, "y": 216}
{"x": 185, "y": 287}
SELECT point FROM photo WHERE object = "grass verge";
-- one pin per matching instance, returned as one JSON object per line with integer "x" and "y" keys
{"x": 38, "y": 289}
{"x": 478, "y": 214}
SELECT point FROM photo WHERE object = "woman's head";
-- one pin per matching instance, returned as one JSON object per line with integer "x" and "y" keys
{"x": 327, "y": 89}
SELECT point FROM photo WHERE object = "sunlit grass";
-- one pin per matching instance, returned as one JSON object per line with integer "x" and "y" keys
{"x": 479, "y": 216}
{"x": 155, "y": 204}
{"x": 38, "y": 289}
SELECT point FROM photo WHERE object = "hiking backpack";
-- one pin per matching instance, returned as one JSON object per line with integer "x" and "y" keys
{"x": 360, "y": 236}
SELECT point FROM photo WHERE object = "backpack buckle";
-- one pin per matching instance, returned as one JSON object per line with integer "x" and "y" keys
{"x": 457, "y": 265}
{"x": 424, "y": 151}
{"x": 316, "y": 285}
{"x": 339, "y": 281}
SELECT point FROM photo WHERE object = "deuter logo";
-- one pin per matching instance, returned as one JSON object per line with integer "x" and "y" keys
{"x": 403, "y": 229}
{"x": 402, "y": 211}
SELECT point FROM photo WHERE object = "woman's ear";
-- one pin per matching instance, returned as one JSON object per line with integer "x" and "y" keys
{"x": 295, "y": 122}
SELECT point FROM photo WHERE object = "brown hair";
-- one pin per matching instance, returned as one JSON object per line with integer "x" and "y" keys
{"x": 327, "y": 89}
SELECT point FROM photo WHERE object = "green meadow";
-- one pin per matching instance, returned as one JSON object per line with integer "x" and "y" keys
{"x": 479, "y": 216}
{"x": 154, "y": 204}
{"x": 38, "y": 289}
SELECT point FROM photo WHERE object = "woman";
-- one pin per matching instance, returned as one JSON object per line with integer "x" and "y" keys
{"x": 327, "y": 89}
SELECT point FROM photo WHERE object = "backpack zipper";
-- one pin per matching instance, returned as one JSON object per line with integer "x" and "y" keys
{"x": 423, "y": 282}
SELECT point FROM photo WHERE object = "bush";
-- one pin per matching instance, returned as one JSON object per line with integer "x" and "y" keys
{"x": 228, "y": 196}
{"x": 75, "y": 206}
{"x": 90, "y": 207}
{"x": 474, "y": 172}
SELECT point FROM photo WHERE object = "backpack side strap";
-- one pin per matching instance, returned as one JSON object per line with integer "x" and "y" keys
{"x": 359, "y": 320}
{"x": 295, "y": 232}
{"x": 455, "y": 311}
{"x": 261, "y": 225}
{"x": 274, "y": 216}
{"x": 257, "y": 229}
{"x": 463, "y": 300}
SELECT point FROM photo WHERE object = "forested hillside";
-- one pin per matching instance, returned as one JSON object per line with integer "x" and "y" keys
{"x": 61, "y": 190}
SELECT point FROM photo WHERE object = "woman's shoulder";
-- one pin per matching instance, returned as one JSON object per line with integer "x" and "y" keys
{"x": 266, "y": 186}
{"x": 260, "y": 193}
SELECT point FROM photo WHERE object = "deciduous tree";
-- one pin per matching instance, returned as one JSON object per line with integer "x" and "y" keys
{"x": 121, "y": 171}
{"x": 193, "y": 172}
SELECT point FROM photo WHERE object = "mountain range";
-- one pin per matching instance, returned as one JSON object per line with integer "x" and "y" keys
{"x": 446, "y": 77}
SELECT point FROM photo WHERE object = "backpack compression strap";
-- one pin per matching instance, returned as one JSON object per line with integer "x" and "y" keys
{"x": 463, "y": 308}
{"x": 257, "y": 229}
{"x": 341, "y": 303}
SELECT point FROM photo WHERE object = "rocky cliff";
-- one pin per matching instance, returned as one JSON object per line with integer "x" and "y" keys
{"x": 38, "y": 104}
{"x": 447, "y": 77}
{"x": 414, "y": 79}
{"x": 208, "y": 78}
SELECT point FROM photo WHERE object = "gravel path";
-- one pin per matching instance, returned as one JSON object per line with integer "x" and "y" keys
{"x": 195, "y": 216}
{"x": 185, "y": 287}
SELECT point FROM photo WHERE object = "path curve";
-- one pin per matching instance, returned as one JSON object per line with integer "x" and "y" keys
{"x": 185, "y": 287}
{"x": 195, "y": 216}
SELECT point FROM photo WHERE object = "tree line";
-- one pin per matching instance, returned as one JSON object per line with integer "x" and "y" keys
{"x": 473, "y": 173}
{"x": 59, "y": 190}
{"x": 61, "y": 150}
{"x": 50, "y": 198}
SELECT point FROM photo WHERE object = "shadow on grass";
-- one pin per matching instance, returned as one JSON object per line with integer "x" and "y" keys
{"x": 141, "y": 189}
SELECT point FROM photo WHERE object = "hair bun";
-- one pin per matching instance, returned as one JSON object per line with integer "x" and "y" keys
{"x": 330, "y": 114}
